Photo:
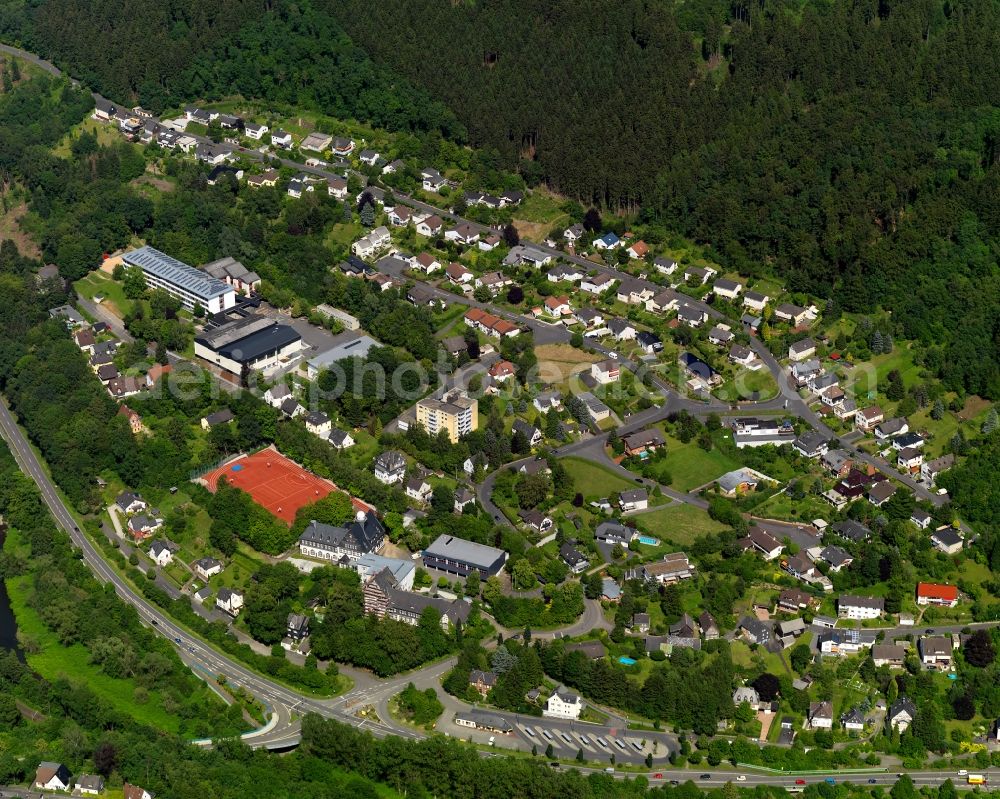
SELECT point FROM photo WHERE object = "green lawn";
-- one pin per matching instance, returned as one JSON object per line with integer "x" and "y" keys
{"x": 592, "y": 480}
{"x": 677, "y": 524}
{"x": 106, "y": 134}
{"x": 690, "y": 466}
{"x": 782, "y": 506}
{"x": 54, "y": 661}
{"x": 747, "y": 384}
{"x": 345, "y": 234}
{"x": 900, "y": 358}
{"x": 99, "y": 283}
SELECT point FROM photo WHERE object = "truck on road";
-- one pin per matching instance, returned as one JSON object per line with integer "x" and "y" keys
{"x": 977, "y": 779}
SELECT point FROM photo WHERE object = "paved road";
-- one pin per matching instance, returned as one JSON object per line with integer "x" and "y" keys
{"x": 284, "y": 703}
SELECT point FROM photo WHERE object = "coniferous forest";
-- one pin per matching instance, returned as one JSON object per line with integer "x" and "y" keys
{"x": 849, "y": 146}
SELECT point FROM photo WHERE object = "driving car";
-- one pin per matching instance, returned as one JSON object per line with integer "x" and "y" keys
{"x": 705, "y": 777}
{"x": 800, "y": 782}
{"x": 830, "y": 781}
{"x": 741, "y": 778}
{"x": 872, "y": 780}
{"x": 657, "y": 776}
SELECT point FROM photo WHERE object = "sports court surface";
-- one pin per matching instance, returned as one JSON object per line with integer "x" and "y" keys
{"x": 276, "y": 483}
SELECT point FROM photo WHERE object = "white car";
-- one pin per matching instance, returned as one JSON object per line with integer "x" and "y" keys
{"x": 741, "y": 778}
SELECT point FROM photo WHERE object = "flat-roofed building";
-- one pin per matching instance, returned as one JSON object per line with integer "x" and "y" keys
{"x": 255, "y": 342}
{"x": 458, "y": 556}
{"x": 191, "y": 286}
{"x": 455, "y": 412}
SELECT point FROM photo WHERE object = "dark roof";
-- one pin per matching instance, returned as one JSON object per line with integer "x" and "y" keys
{"x": 572, "y": 555}
{"x": 219, "y": 417}
{"x": 366, "y": 531}
{"x": 259, "y": 343}
{"x": 852, "y": 530}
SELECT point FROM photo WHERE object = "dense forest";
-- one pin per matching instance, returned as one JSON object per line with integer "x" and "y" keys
{"x": 745, "y": 126}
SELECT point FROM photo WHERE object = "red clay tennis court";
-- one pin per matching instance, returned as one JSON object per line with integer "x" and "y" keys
{"x": 274, "y": 482}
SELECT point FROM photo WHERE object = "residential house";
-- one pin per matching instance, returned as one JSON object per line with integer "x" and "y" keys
{"x": 811, "y": 444}
{"x": 394, "y": 166}
{"x": 709, "y": 629}
{"x": 597, "y": 284}
{"x": 867, "y": 418}
{"x": 837, "y": 462}
{"x": 698, "y": 276}
{"x": 611, "y": 532}
{"x": 643, "y": 441}
{"x": 573, "y": 233}
{"x": 635, "y": 292}
{"x": 891, "y": 428}
{"x": 502, "y": 371}
{"x": 622, "y": 329}
{"x": 860, "y": 607}
{"x": 836, "y": 558}
{"x": 536, "y": 520}
{"x": 754, "y": 630}
{"x": 720, "y": 335}
{"x": 929, "y": 470}
{"x": 737, "y": 482}
{"x": 229, "y": 601}
{"x": 268, "y": 178}
{"x": 685, "y": 627}
{"x": 207, "y": 568}
{"x": 909, "y": 459}
{"x": 755, "y": 301}
{"x": 793, "y": 314}
{"x": 648, "y": 342}
{"x": 820, "y": 716}
{"x": 368, "y": 157}
{"x": 747, "y": 694}
{"x": 134, "y": 419}
{"x": 120, "y": 387}
{"x": 807, "y": 372}
{"x": 665, "y": 266}
{"x": 547, "y": 401}
{"x": 141, "y": 526}
{"x": 564, "y": 272}
{"x": 464, "y": 234}
{"x": 605, "y": 372}
{"x": 531, "y": 433}
{"x": 572, "y": 557}
{"x": 431, "y": 226}
{"x": 852, "y": 530}
{"x": 802, "y": 349}
{"x": 589, "y": 317}
{"x": 662, "y": 302}
{"x": 727, "y": 289}
{"x": 908, "y": 440}
{"x": 941, "y": 595}
{"x": 844, "y": 642}
{"x": 948, "y": 540}
{"x": 673, "y": 568}
{"x": 633, "y": 499}
{"x": 920, "y": 518}
{"x": 418, "y": 489}
{"x": 432, "y": 180}
{"x": 853, "y": 720}
{"x": 760, "y": 540}
{"x": 557, "y": 307}
{"x": 318, "y": 423}
{"x": 223, "y": 416}
{"x": 793, "y": 600}
{"x": 880, "y": 493}
{"x": 901, "y": 714}
{"x": 129, "y": 502}
{"x": 563, "y": 704}
{"x": 690, "y": 315}
{"x": 400, "y": 216}
{"x": 370, "y": 245}
{"x": 91, "y": 784}
{"x": 890, "y": 655}
{"x": 390, "y": 466}
{"x": 935, "y": 650}
{"x": 640, "y": 623}
{"x": 638, "y": 250}
{"x": 482, "y": 681}
{"x": 799, "y": 567}
{"x": 458, "y": 274}
{"x": 162, "y": 553}
{"x": 608, "y": 241}
{"x": 464, "y": 498}
{"x": 741, "y": 356}
{"x": 51, "y": 776}
{"x": 297, "y": 626}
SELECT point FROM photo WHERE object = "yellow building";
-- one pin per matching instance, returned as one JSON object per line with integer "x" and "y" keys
{"x": 455, "y": 412}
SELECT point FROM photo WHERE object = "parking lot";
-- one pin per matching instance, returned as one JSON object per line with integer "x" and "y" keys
{"x": 598, "y": 743}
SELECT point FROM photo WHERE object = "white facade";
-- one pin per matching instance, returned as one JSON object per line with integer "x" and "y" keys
{"x": 563, "y": 705}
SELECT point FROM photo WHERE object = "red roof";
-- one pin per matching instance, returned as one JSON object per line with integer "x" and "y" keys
{"x": 947, "y": 593}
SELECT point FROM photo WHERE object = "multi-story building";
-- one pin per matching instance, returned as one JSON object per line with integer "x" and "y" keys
{"x": 254, "y": 343}
{"x": 456, "y": 413}
{"x": 191, "y": 286}
{"x": 563, "y": 705}
{"x": 458, "y": 556}
{"x": 360, "y": 537}
{"x": 860, "y": 607}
